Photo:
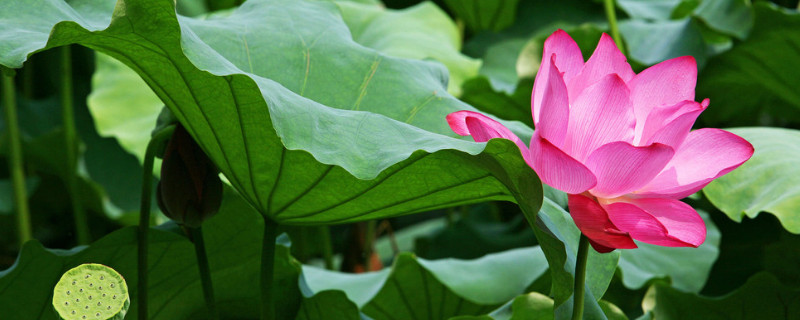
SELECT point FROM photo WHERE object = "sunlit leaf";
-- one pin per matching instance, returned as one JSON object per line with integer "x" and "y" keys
{"x": 766, "y": 182}
{"x": 420, "y": 32}
{"x": 477, "y": 285}
{"x": 122, "y": 105}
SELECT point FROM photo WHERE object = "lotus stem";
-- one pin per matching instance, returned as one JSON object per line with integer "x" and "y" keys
{"x": 156, "y": 142}
{"x": 611, "y": 15}
{"x": 205, "y": 273}
{"x": 580, "y": 278}
{"x": 15, "y": 163}
{"x": 71, "y": 145}
{"x": 327, "y": 246}
{"x": 267, "y": 269}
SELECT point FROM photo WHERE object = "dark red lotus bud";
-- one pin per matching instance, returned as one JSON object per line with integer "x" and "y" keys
{"x": 190, "y": 190}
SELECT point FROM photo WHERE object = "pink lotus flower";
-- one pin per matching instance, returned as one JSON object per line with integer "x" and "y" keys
{"x": 619, "y": 143}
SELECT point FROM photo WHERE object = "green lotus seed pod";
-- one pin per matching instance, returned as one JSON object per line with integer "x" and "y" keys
{"x": 91, "y": 291}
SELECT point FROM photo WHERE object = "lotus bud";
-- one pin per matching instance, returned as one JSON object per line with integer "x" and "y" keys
{"x": 190, "y": 190}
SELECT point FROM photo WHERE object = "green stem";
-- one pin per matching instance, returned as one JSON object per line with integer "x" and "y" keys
{"x": 369, "y": 244}
{"x": 15, "y": 163}
{"x": 205, "y": 272}
{"x": 327, "y": 246}
{"x": 580, "y": 278}
{"x": 156, "y": 142}
{"x": 71, "y": 145}
{"x": 267, "y": 268}
{"x": 611, "y": 15}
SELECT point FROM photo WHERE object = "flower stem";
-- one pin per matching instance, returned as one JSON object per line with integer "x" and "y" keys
{"x": 205, "y": 272}
{"x": 580, "y": 278}
{"x": 156, "y": 142}
{"x": 611, "y": 15}
{"x": 15, "y": 163}
{"x": 327, "y": 246}
{"x": 267, "y": 269}
{"x": 71, "y": 145}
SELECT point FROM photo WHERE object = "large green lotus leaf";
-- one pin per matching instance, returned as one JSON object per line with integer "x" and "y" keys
{"x": 487, "y": 281}
{"x": 233, "y": 243}
{"x": 755, "y": 79}
{"x": 766, "y": 182}
{"x": 687, "y": 268}
{"x": 761, "y": 297}
{"x": 354, "y": 134}
{"x": 418, "y": 32}
{"x": 413, "y": 292}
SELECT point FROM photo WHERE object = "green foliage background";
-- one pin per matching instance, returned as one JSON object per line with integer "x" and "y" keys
{"x": 332, "y": 112}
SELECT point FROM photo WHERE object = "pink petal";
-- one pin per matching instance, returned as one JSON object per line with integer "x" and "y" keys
{"x": 483, "y": 128}
{"x": 554, "y": 117}
{"x": 669, "y": 124}
{"x": 568, "y": 59}
{"x": 663, "y": 222}
{"x": 606, "y": 59}
{"x": 621, "y": 168}
{"x": 557, "y": 168}
{"x": 705, "y": 155}
{"x": 594, "y": 222}
{"x": 601, "y": 114}
{"x": 666, "y": 83}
